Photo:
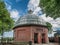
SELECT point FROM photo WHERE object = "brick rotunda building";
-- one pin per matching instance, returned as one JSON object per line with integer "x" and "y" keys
{"x": 31, "y": 27}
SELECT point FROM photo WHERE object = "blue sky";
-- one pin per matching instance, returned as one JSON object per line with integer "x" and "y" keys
{"x": 20, "y": 7}
{"x": 17, "y": 8}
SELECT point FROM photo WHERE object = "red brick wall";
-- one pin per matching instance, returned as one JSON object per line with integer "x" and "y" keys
{"x": 40, "y": 31}
{"x": 22, "y": 34}
{"x": 27, "y": 33}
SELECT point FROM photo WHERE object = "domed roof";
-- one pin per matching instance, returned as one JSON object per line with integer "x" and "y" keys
{"x": 30, "y": 19}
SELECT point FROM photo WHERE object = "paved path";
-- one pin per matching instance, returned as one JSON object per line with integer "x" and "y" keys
{"x": 47, "y": 44}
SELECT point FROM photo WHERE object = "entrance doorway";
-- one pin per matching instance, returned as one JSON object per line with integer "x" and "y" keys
{"x": 35, "y": 37}
{"x": 43, "y": 38}
{"x": 59, "y": 39}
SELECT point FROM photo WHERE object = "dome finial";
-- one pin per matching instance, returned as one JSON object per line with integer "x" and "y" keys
{"x": 30, "y": 11}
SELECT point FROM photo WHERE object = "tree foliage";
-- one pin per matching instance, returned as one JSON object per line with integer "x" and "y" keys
{"x": 51, "y": 7}
{"x": 6, "y": 22}
{"x": 49, "y": 26}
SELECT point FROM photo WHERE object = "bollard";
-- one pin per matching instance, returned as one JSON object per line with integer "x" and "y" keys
{"x": 30, "y": 42}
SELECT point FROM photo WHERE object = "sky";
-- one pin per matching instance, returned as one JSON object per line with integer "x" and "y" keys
{"x": 18, "y": 8}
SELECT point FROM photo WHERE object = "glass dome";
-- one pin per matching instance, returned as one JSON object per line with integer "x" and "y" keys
{"x": 30, "y": 19}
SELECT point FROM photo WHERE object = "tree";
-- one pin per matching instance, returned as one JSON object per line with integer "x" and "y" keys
{"x": 6, "y": 22}
{"x": 51, "y": 7}
{"x": 49, "y": 26}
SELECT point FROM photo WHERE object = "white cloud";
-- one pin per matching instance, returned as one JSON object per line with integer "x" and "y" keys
{"x": 8, "y": 34}
{"x": 55, "y": 23}
{"x": 14, "y": 14}
{"x": 33, "y": 4}
{"x": 8, "y": 6}
{"x": 47, "y": 19}
{"x": 37, "y": 10}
